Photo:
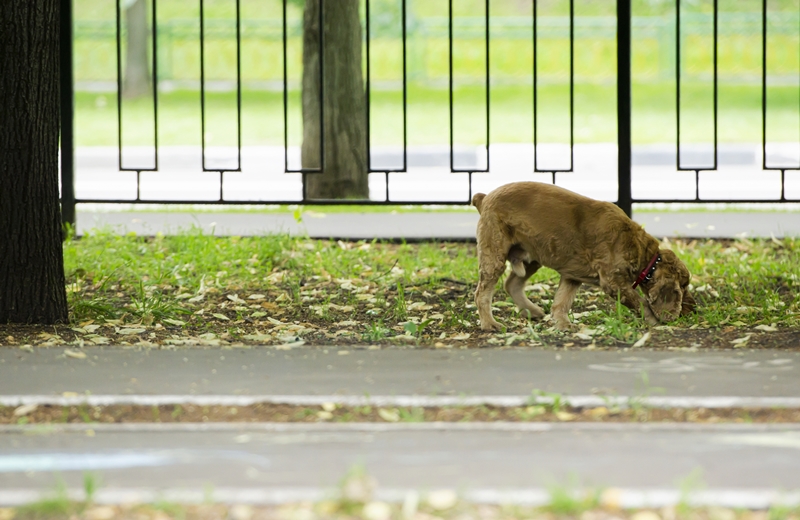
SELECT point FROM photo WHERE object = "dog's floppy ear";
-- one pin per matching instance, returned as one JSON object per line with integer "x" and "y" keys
{"x": 688, "y": 305}
{"x": 477, "y": 200}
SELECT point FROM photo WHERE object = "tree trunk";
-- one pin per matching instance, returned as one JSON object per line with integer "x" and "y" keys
{"x": 345, "y": 166}
{"x": 32, "y": 287}
{"x": 137, "y": 72}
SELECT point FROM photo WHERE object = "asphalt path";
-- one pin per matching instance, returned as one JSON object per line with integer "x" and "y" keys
{"x": 392, "y": 372}
{"x": 458, "y": 225}
{"x": 736, "y": 464}
{"x": 251, "y": 463}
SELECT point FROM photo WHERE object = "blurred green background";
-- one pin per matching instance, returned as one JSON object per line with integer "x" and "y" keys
{"x": 511, "y": 65}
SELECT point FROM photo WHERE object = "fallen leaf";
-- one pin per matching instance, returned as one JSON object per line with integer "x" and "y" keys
{"x": 767, "y": 328}
{"x": 565, "y": 416}
{"x": 129, "y": 331}
{"x": 600, "y": 411}
{"x": 389, "y": 415}
{"x": 270, "y": 306}
{"x": 346, "y": 323}
{"x": 442, "y": 499}
{"x": 100, "y": 513}
{"x": 741, "y": 342}
{"x": 77, "y": 354}
{"x": 257, "y": 337}
{"x": 172, "y": 321}
{"x": 460, "y": 336}
{"x": 642, "y": 340}
{"x": 258, "y": 314}
{"x": 235, "y": 298}
{"x": 25, "y": 409}
{"x": 289, "y": 346}
{"x": 221, "y": 316}
{"x": 376, "y": 511}
{"x": 256, "y": 297}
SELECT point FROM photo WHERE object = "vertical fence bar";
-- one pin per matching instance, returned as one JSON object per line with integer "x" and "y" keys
{"x": 119, "y": 85}
{"x": 624, "y": 198}
{"x": 536, "y": 168}
{"x": 405, "y": 94}
{"x": 368, "y": 93}
{"x": 154, "y": 65}
{"x": 203, "y": 125}
{"x": 67, "y": 115}
{"x": 696, "y": 169}
{"x": 368, "y": 82}
{"x": 764, "y": 164}
{"x": 450, "y": 90}
{"x": 155, "y": 86}
{"x": 303, "y": 170}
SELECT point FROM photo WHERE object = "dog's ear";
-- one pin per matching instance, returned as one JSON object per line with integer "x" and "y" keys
{"x": 477, "y": 200}
{"x": 688, "y": 305}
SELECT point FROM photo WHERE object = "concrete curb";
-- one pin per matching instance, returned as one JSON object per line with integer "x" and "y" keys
{"x": 243, "y": 428}
{"x": 617, "y": 497}
{"x": 404, "y": 400}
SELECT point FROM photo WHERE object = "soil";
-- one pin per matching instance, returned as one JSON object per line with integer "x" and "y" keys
{"x": 345, "y": 509}
{"x": 282, "y": 413}
{"x": 693, "y": 339}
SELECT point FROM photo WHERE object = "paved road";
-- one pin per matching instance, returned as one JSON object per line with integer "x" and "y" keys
{"x": 391, "y": 372}
{"x": 738, "y": 464}
{"x": 415, "y": 226}
{"x": 313, "y": 458}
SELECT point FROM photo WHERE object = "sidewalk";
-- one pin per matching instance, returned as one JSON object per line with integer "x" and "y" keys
{"x": 342, "y": 374}
{"x": 440, "y": 225}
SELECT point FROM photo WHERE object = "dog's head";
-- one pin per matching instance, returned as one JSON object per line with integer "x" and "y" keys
{"x": 668, "y": 291}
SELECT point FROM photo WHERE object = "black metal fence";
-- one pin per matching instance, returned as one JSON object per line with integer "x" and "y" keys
{"x": 624, "y": 43}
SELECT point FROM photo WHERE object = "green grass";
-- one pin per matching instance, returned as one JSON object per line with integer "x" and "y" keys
{"x": 511, "y": 117}
{"x": 196, "y": 285}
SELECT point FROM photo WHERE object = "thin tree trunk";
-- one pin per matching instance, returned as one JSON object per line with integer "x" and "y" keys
{"x": 32, "y": 287}
{"x": 137, "y": 71}
{"x": 345, "y": 153}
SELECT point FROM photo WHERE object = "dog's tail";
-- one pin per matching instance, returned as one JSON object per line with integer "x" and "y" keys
{"x": 477, "y": 200}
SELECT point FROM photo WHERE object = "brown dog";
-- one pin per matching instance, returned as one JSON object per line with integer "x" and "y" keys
{"x": 587, "y": 241}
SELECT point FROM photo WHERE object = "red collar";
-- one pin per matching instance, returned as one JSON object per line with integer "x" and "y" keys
{"x": 647, "y": 272}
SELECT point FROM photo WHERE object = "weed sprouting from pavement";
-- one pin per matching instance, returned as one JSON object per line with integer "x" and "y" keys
{"x": 91, "y": 483}
{"x": 566, "y": 500}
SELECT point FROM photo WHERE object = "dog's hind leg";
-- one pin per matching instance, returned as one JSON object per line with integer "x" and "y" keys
{"x": 515, "y": 287}
{"x": 562, "y": 303}
{"x": 492, "y": 264}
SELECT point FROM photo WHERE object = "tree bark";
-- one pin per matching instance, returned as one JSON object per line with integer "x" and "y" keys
{"x": 137, "y": 71}
{"x": 344, "y": 173}
{"x": 32, "y": 285}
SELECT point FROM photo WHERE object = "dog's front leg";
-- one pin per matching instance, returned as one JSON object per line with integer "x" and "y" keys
{"x": 630, "y": 299}
{"x": 562, "y": 303}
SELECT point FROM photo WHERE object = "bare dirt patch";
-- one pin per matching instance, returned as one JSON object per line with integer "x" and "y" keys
{"x": 282, "y": 413}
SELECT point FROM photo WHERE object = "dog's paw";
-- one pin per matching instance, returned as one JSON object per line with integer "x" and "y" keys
{"x": 492, "y": 326}
{"x": 565, "y": 326}
{"x": 533, "y": 312}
